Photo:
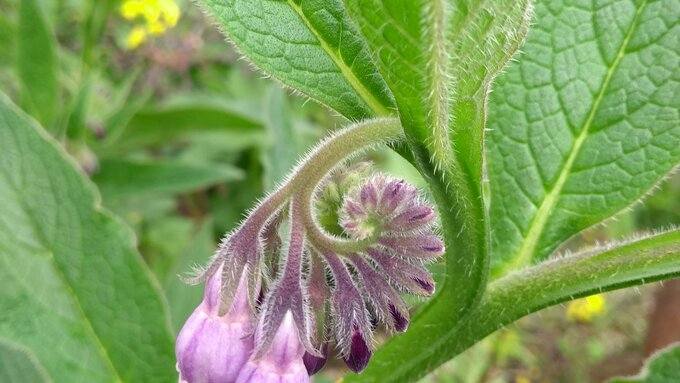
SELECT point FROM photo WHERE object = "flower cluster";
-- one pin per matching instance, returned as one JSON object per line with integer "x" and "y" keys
{"x": 158, "y": 16}
{"x": 265, "y": 320}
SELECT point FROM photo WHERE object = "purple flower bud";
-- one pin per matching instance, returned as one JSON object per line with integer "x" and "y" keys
{"x": 384, "y": 206}
{"x": 212, "y": 348}
{"x": 423, "y": 246}
{"x": 352, "y": 324}
{"x": 354, "y": 210}
{"x": 359, "y": 353}
{"x": 368, "y": 196}
{"x": 387, "y": 303}
{"x": 313, "y": 363}
{"x": 395, "y": 194}
{"x": 414, "y": 278}
{"x": 400, "y": 321}
{"x": 282, "y": 362}
{"x": 427, "y": 285}
{"x": 413, "y": 218}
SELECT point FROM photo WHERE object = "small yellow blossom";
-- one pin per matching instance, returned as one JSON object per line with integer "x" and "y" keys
{"x": 157, "y": 15}
{"x": 135, "y": 38}
{"x": 522, "y": 379}
{"x": 585, "y": 309}
{"x": 170, "y": 12}
{"x": 156, "y": 28}
{"x": 130, "y": 10}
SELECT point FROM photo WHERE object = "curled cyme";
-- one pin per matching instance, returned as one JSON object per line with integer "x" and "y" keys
{"x": 319, "y": 262}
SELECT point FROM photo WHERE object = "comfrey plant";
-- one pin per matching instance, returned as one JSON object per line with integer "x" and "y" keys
{"x": 271, "y": 306}
{"x": 580, "y": 129}
{"x": 582, "y": 126}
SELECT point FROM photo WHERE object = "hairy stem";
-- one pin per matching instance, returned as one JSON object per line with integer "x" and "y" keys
{"x": 314, "y": 167}
{"x": 320, "y": 162}
{"x": 546, "y": 284}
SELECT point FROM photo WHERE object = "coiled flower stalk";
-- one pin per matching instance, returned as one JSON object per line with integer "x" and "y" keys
{"x": 352, "y": 247}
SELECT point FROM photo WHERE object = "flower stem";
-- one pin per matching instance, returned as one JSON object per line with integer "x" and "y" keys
{"x": 321, "y": 161}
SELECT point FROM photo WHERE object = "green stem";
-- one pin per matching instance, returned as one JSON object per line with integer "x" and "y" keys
{"x": 546, "y": 284}
{"x": 320, "y": 162}
{"x": 463, "y": 220}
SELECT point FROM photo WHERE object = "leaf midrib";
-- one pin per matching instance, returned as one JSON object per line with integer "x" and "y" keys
{"x": 76, "y": 300}
{"x": 438, "y": 115}
{"x": 528, "y": 248}
{"x": 346, "y": 71}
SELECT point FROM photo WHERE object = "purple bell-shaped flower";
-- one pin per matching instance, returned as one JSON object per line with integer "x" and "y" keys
{"x": 282, "y": 362}
{"x": 212, "y": 348}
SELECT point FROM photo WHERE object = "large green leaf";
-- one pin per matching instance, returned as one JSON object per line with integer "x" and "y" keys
{"x": 311, "y": 46}
{"x": 37, "y": 62}
{"x": 126, "y": 178}
{"x": 585, "y": 124}
{"x": 662, "y": 367}
{"x": 439, "y": 59}
{"x": 19, "y": 365}
{"x": 73, "y": 290}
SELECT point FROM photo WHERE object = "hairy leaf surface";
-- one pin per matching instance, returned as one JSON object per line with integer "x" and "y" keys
{"x": 585, "y": 124}
{"x": 311, "y": 46}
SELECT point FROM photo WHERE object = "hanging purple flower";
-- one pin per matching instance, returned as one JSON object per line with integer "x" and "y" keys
{"x": 283, "y": 360}
{"x": 212, "y": 348}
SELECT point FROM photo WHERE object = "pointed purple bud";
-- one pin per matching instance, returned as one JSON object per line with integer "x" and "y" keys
{"x": 427, "y": 285}
{"x": 368, "y": 196}
{"x": 313, "y": 363}
{"x": 395, "y": 195}
{"x": 386, "y": 302}
{"x": 416, "y": 217}
{"x": 423, "y": 246}
{"x": 212, "y": 348}
{"x": 351, "y": 320}
{"x": 282, "y": 362}
{"x": 359, "y": 354}
{"x": 392, "y": 196}
{"x": 353, "y": 209}
{"x": 399, "y": 320}
{"x": 414, "y": 278}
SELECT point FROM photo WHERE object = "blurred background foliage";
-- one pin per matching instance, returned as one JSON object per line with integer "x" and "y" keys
{"x": 181, "y": 138}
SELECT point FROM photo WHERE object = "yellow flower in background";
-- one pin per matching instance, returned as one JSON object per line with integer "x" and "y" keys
{"x": 135, "y": 38}
{"x": 156, "y": 28}
{"x": 130, "y": 10}
{"x": 585, "y": 309}
{"x": 170, "y": 12}
{"x": 158, "y": 16}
